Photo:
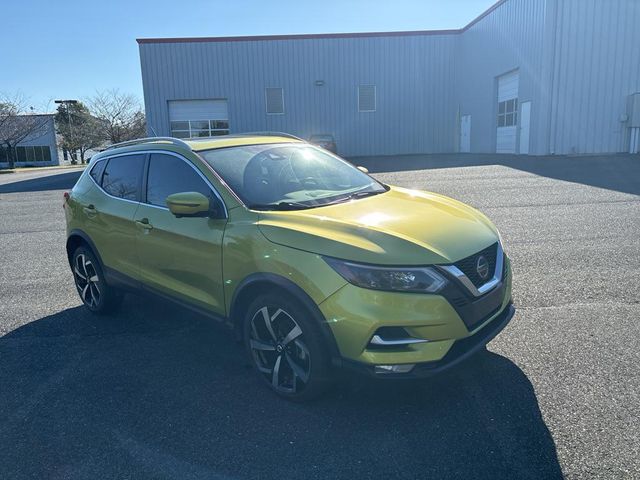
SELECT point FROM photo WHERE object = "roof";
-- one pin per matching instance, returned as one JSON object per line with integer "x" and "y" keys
{"x": 236, "y": 141}
{"x": 255, "y": 38}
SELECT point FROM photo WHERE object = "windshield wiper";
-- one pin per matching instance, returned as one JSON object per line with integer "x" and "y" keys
{"x": 281, "y": 206}
{"x": 356, "y": 195}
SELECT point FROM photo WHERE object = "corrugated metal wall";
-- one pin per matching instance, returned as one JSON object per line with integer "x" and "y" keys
{"x": 509, "y": 38}
{"x": 413, "y": 76}
{"x": 596, "y": 66}
{"x": 578, "y": 60}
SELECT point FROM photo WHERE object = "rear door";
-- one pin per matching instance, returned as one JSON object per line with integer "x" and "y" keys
{"x": 181, "y": 257}
{"x": 109, "y": 210}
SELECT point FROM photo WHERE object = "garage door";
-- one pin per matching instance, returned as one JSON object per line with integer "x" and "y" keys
{"x": 198, "y": 118}
{"x": 507, "y": 113}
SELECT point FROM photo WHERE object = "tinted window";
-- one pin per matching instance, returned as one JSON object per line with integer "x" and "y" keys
{"x": 122, "y": 176}
{"x": 96, "y": 171}
{"x": 169, "y": 175}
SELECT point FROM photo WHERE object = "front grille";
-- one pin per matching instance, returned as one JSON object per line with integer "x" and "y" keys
{"x": 468, "y": 265}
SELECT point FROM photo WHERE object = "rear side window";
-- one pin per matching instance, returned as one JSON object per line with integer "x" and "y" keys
{"x": 96, "y": 171}
{"x": 122, "y": 176}
{"x": 169, "y": 175}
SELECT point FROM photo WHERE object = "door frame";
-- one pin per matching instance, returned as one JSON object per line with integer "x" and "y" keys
{"x": 527, "y": 144}
{"x": 460, "y": 143}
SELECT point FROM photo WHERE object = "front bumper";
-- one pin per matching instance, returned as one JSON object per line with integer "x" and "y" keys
{"x": 460, "y": 351}
{"x": 449, "y": 324}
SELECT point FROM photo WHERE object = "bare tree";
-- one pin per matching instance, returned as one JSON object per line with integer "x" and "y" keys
{"x": 120, "y": 115}
{"x": 18, "y": 125}
{"x": 80, "y": 131}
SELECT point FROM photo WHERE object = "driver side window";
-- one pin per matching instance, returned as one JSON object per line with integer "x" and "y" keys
{"x": 169, "y": 174}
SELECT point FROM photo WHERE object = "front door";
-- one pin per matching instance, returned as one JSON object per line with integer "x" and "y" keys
{"x": 179, "y": 256}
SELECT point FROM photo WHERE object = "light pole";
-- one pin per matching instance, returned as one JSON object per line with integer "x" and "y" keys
{"x": 66, "y": 104}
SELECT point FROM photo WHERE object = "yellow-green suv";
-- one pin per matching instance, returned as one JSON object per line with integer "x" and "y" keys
{"x": 311, "y": 261}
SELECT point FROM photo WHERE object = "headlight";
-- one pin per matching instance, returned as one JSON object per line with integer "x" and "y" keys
{"x": 420, "y": 279}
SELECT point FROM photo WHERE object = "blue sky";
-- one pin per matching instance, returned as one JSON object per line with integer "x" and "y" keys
{"x": 71, "y": 48}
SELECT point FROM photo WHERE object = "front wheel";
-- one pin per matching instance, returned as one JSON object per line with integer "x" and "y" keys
{"x": 94, "y": 292}
{"x": 286, "y": 348}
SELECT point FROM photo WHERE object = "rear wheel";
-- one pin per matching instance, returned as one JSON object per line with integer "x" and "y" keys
{"x": 286, "y": 348}
{"x": 94, "y": 292}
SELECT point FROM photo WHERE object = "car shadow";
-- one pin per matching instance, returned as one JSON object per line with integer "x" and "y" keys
{"x": 619, "y": 172}
{"x": 157, "y": 392}
{"x": 59, "y": 181}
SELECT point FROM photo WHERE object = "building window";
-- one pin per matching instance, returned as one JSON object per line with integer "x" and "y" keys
{"x": 366, "y": 98}
{"x": 36, "y": 153}
{"x": 508, "y": 113}
{"x": 199, "y": 128}
{"x": 275, "y": 101}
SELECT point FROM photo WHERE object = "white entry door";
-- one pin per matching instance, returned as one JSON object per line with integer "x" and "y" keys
{"x": 525, "y": 121}
{"x": 507, "y": 131}
{"x": 465, "y": 133}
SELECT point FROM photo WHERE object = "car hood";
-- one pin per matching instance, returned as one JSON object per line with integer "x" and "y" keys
{"x": 399, "y": 227}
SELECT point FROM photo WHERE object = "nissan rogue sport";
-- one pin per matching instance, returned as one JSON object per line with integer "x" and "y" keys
{"x": 313, "y": 263}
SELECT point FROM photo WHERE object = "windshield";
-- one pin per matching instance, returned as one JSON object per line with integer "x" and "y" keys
{"x": 289, "y": 176}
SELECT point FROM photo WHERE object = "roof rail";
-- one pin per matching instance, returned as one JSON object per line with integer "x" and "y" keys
{"x": 271, "y": 134}
{"x": 138, "y": 141}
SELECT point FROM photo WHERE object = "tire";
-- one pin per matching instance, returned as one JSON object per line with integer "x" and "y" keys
{"x": 286, "y": 348}
{"x": 94, "y": 292}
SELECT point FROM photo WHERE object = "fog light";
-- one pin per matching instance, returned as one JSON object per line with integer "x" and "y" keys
{"x": 405, "y": 368}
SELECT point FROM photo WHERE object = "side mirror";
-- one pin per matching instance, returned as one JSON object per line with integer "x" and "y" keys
{"x": 363, "y": 169}
{"x": 188, "y": 204}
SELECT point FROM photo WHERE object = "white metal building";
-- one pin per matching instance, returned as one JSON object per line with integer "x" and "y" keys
{"x": 527, "y": 76}
{"x": 39, "y": 148}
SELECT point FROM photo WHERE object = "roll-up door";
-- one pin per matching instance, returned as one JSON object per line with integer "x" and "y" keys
{"x": 198, "y": 118}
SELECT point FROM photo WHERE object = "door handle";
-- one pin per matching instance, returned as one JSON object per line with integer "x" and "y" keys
{"x": 90, "y": 210}
{"x": 144, "y": 223}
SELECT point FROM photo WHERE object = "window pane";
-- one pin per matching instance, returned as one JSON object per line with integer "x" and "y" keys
{"x": 217, "y": 133}
{"x": 515, "y": 118}
{"x": 220, "y": 124}
{"x": 30, "y": 155}
{"x": 199, "y": 124}
{"x": 501, "y": 107}
{"x": 180, "y": 125}
{"x": 275, "y": 100}
{"x": 200, "y": 133}
{"x": 21, "y": 153}
{"x": 123, "y": 175}
{"x": 169, "y": 175}
{"x": 180, "y": 133}
{"x": 96, "y": 171}
{"x": 509, "y": 120}
{"x": 46, "y": 154}
{"x": 3, "y": 155}
{"x": 515, "y": 104}
{"x": 501, "y": 120}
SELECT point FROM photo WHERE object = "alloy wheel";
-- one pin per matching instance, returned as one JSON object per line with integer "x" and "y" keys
{"x": 87, "y": 281}
{"x": 278, "y": 349}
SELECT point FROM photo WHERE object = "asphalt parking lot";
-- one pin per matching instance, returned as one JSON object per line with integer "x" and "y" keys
{"x": 157, "y": 392}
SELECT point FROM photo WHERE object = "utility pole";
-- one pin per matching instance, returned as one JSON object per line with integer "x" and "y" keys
{"x": 66, "y": 104}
